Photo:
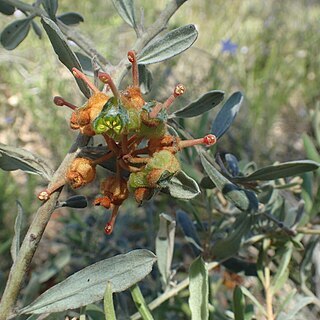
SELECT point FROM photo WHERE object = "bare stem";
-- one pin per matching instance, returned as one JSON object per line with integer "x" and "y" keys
{"x": 268, "y": 293}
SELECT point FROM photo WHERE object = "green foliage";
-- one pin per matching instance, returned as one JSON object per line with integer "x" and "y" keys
{"x": 62, "y": 49}
{"x": 89, "y": 284}
{"x": 15, "y": 33}
{"x": 169, "y": 45}
{"x": 12, "y": 158}
{"x": 203, "y": 104}
{"x": 249, "y": 221}
{"x": 199, "y": 290}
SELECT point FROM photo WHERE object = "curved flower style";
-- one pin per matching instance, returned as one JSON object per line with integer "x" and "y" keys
{"x": 126, "y": 121}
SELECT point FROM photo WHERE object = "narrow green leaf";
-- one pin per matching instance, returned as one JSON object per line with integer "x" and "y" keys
{"x": 306, "y": 263}
{"x": 140, "y": 303}
{"x": 6, "y": 8}
{"x": 70, "y": 18}
{"x": 205, "y": 103}
{"x": 298, "y": 306}
{"x": 16, "y": 241}
{"x": 145, "y": 79}
{"x": 181, "y": 186}
{"x": 288, "y": 299}
{"x": 12, "y": 158}
{"x": 311, "y": 150}
{"x": 56, "y": 265}
{"x": 282, "y": 273}
{"x": 189, "y": 231}
{"x": 238, "y": 304}
{"x": 88, "y": 285}
{"x": 169, "y": 45}
{"x": 227, "y": 114}
{"x": 245, "y": 200}
{"x": 230, "y": 245}
{"x": 125, "y": 9}
{"x": 109, "y": 312}
{"x": 14, "y": 33}
{"x": 199, "y": 290}
{"x": 86, "y": 62}
{"x": 165, "y": 246}
{"x": 94, "y": 312}
{"x": 282, "y": 170}
{"x": 51, "y": 7}
{"x": 247, "y": 293}
{"x": 316, "y": 122}
{"x": 36, "y": 28}
{"x": 62, "y": 49}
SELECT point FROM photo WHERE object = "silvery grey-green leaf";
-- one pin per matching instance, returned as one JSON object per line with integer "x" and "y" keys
{"x": 181, "y": 186}
{"x": 125, "y": 9}
{"x": 51, "y": 7}
{"x": 62, "y": 49}
{"x": 205, "y": 103}
{"x": 16, "y": 241}
{"x": 88, "y": 285}
{"x": 169, "y": 45}
{"x": 165, "y": 246}
{"x": 245, "y": 200}
{"x": 199, "y": 290}
{"x": 70, "y": 18}
{"x": 14, "y": 33}
{"x": 281, "y": 170}
{"x": 6, "y": 9}
{"x": 12, "y": 158}
{"x": 227, "y": 114}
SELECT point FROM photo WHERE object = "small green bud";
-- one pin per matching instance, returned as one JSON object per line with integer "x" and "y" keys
{"x": 138, "y": 180}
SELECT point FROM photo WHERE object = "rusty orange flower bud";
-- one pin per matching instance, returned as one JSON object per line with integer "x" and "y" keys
{"x": 81, "y": 172}
{"x": 131, "y": 98}
{"x": 142, "y": 194}
{"x": 115, "y": 189}
{"x": 166, "y": 142}
{"x": 102, "y": 201}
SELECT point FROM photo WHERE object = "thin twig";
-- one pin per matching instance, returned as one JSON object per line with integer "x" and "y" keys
{"x": 308, "y": 231}
{"x": 268, "y": 293}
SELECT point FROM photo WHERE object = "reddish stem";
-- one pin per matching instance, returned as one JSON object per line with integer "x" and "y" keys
{"x": 178, "y": 91}
{"x": 59, "y": 101}
{"x": 78, "y": 74}
{"x": 45, "y": 194}
{"x": 104, "y": 158}
{"x": 135, "y": 71}
{"x": 109, "y": 226}
{"x": 112, "y": 145}
{"x": 208, "y": 140}
{"x": 106, "y": 78}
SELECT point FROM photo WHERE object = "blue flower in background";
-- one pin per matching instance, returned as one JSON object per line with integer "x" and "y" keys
{"x": 229, "y": 46}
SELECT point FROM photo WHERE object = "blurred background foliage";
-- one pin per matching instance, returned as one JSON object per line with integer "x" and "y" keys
{"x": 269, "y": 50}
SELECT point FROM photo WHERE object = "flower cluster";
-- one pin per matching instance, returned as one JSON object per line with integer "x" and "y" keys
{"x": 137, "y": 137}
